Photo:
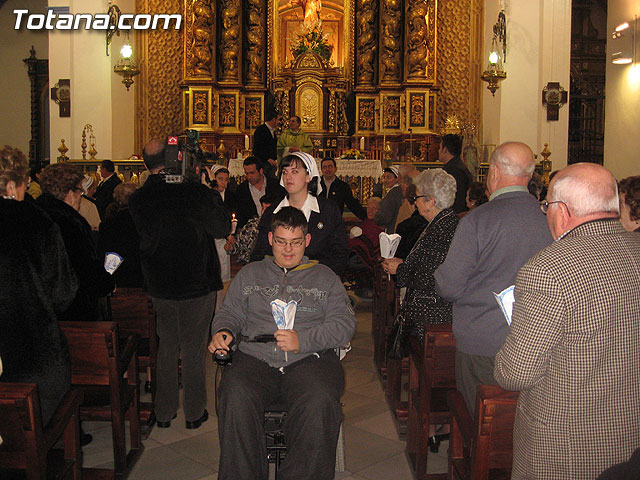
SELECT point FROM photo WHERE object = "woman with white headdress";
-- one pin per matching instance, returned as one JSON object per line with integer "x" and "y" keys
{"x": 219, "y": 180}
{"x": 329, "y": 244}
{"x": 392, "y": 201}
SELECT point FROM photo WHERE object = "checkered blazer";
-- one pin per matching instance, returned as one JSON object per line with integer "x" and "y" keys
{"x": 573, "y": 351}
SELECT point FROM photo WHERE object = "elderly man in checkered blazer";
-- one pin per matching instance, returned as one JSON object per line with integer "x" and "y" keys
{"x": 573, "y": 350}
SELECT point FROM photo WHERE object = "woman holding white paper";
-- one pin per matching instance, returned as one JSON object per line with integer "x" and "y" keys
{"x": 300, "y": 177}
{"x": 435, "y": 193}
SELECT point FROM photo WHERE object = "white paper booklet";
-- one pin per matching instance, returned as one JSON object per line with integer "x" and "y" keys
{"x": 284, "y": 314}
{"x": 112, "y": 261}
{"x": 388, "y": 244}
{"x": 506, "y": 300}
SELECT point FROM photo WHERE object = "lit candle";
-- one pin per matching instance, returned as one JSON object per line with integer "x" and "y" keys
{"x": 234, "y": 224}
{"x": 362, "y": 144}
{"x": 246, "y": 142}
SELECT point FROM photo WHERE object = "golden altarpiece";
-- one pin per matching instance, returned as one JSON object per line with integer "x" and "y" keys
{"x": 383, "y": 69}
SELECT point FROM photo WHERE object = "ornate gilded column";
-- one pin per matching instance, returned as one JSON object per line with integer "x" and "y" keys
{"x": 391, "y": 42}
{"x": 199, "y": 40}
{"x": 230, "y": 40}
{"x": 366, "y": 42}
{"x": 417, "y": 29}
{"x": 255, "y": 62}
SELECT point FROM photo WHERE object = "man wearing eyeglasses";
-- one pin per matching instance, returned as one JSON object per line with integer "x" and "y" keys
{"x": 297, "y": 366}
{"x": 572, "y": 349}
{"x": 490, "y": 245}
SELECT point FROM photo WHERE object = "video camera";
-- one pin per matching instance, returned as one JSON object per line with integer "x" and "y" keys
{"x": 182, "y": 157}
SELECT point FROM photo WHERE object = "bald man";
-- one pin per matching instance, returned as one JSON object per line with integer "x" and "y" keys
{"x": 178, "y": 223}
{"x": 573, "y": 347}
{"x": 490, "y": 245}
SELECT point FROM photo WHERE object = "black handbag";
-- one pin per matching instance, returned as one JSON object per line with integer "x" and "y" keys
{"x": 398, "y": 338}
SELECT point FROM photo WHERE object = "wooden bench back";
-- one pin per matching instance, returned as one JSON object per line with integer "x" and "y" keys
{"x": 495, "y": 415}
{"x": 132, "y": 309}
{"x": 20, "y": 422}
{"x": 440, "y": 356}
{"x": 93, "y": 347}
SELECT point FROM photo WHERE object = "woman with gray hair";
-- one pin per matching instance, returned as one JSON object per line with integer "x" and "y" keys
{"x": 436, "y": 191}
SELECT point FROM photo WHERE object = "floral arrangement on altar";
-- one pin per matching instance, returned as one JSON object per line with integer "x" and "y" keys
{"x": 352, "y": 154}
{"x": 312, "y": 39}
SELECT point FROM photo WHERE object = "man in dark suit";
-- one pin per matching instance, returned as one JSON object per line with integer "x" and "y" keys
{"x": 104, "y": 192}
{"x": 265, "y": 143}
{"x": 250, "y": 191}
{"x": 449, "y": 154}
{"x": 337, "y": 190}
{"x": 572, "y": 348}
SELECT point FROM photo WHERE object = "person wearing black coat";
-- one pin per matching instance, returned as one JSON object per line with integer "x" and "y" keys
{"x": 339, "y": 191}
{"x": 37, "y": 284}
{"x": 265, "y": 143}
{"x": 62, "y": 190}
{"x": 329, "y": 243}
{"x": 104, "y": 192}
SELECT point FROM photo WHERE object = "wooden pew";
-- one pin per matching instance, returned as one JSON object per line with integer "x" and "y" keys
{"x": 432, "y": 375}
{"x": 482, "y": 449}
{"x": 27, "y": 444}
{"x": 98, "y": 367}
{"x": 132, "y": 310}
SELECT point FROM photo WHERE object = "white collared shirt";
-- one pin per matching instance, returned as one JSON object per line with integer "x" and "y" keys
{"x": 310, "y": 205}
{"x": 257, "y": 194}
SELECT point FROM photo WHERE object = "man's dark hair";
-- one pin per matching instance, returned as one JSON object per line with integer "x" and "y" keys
{"x": 453, "y": 143}
{"x": 270, "y": 115}
{"x": 329, "y": 159}
{"x": 289, "y": 218}
{"x": 108, "y": 165}
{"x": 269, "y": 198}
{"x": 35, "y": 170}
{"x": 297, "y": 117}
{"x": 153, "y": 153}
{"x": 251, "y": 160}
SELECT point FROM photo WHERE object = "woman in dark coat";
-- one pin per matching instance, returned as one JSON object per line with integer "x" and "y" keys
{"x": 422, "y": 305}
{"x": 37, "y": 283}
{"x": 118, "y": 234}
{"x": 62, "y": 189}
{"x": 329, "y": 243}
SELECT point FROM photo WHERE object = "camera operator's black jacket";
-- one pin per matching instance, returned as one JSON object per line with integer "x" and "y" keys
{"x": 177, "y": 224}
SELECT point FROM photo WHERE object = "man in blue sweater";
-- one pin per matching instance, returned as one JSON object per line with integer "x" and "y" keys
{"x": 491, "y": 244}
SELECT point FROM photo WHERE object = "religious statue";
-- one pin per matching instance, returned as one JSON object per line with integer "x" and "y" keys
{"x": 311, "y": 9}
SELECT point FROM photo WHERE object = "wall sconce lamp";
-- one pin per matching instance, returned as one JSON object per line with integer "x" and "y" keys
{"x": 625, "y": 43}
{"x": 126, "y": 66}
{"x": 495, "y": 73}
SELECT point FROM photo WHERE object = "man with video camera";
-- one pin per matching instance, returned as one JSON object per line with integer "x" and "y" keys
{"x": 177, "y": 223}
{"x": 296, "y": 365}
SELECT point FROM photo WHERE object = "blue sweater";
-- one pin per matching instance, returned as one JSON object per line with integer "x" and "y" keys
{"x": 491, "y": 244}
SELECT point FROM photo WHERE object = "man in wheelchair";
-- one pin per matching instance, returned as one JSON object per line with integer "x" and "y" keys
{"x": 297, "y": 367}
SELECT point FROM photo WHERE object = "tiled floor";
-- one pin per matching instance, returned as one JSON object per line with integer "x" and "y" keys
{"x": 372, "y": 448}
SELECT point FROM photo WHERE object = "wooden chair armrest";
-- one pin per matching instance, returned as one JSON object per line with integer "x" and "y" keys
{"x": 460, "y": 412}
{"x": 69, "y": 405}
{"x": 127, "y": 354}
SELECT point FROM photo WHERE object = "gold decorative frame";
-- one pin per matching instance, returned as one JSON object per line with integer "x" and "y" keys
{"x": 311, "y": 114}
{"x": 417, "y": 109}
{"x": 391, "y": 117}
{"x": 228, "y": 116}
{"x": 366, "y": 113}
{"x": 199, "y": 108}
{"x": 253, "y": 111}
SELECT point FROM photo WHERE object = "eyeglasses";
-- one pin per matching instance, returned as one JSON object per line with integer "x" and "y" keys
{"x": 281, "y": 242}
{"x": 413, "y": 197}
{"x": 544, "y": 206}
{"x": 77, "y": 189}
